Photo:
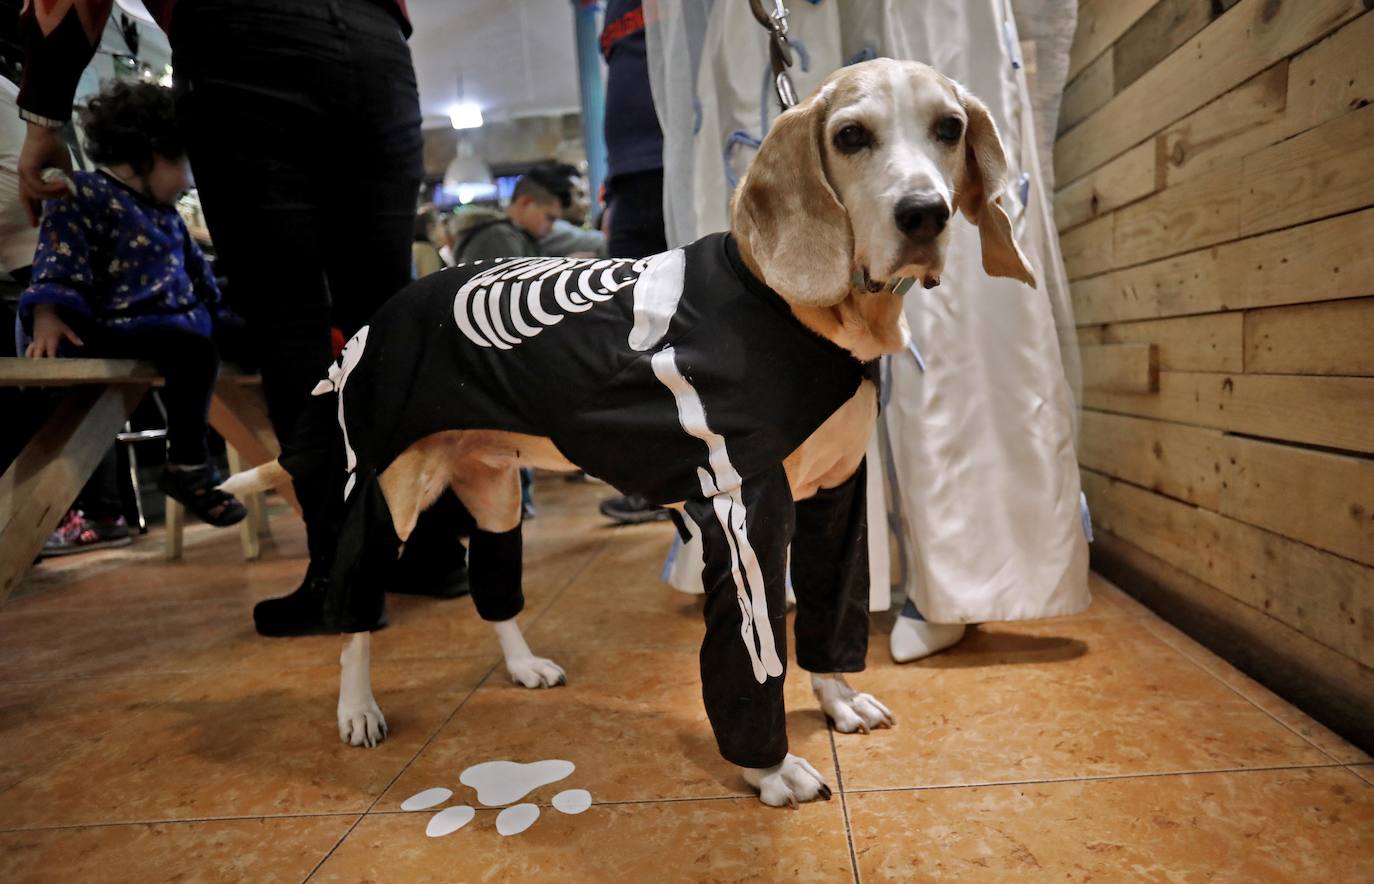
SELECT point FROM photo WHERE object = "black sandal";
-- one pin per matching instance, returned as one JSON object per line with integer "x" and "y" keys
{"x": 196, "y": 490}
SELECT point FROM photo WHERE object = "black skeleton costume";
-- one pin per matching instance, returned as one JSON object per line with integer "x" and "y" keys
{"x": 680, "y": 377}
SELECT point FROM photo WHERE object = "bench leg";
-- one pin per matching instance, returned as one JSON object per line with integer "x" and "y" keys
{"x": 175, "y": 520}
{"x": 46, "y": 477}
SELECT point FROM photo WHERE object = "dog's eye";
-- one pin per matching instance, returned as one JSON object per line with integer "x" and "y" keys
{"x": 949, "y": 130}
{"x": 853, "y": 138}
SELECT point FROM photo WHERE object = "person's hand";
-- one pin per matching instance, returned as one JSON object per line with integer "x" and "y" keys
{"x": 48, "y": 332}
{"x": 43, "y": 149}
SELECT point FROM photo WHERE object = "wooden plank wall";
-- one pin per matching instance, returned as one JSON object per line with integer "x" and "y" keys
{"x": 1215, "y": 202}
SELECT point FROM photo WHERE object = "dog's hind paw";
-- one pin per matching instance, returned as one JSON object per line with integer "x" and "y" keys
{"x": 850, "y": 710}
{"x": 789, "y": 783}
{"x": 361, "y": 724}
{"x": 536, "y": 672}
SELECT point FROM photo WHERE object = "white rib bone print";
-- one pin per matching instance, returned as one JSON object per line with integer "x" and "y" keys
{"x": 722, "y": 483}
{"x": 513, "y": 301}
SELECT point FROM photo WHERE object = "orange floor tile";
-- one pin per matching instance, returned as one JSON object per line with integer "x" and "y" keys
{"x": 148, "y": 734}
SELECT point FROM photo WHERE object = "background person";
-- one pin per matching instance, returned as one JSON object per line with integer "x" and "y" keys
{"x": 308, "y": 162}
{"x": 515, "y": 233}
{"x": 424, "y": 255}
{"x": 634, "y": 177}
{"x": 117, "y": 275}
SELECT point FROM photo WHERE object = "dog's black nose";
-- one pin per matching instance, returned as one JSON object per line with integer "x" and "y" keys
{"x": 921, "y": 215}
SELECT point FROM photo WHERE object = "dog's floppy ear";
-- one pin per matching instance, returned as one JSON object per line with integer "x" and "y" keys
{"x": 788, "y": 216}
{"x": 980, "y": 194}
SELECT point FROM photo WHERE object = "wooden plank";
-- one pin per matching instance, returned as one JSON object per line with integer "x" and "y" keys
{"x": 1214, "y": 138}
{"x": 1332, "y": 78}
{"x": 1167, "y": 25}
{"x": 1326, "y": 683}
{"x": 1087, "y": 249}
{"x": 1314, "y": 262}
{"x": 1209, "y": 342}
{"x": 16, "y": 371}
{"x": 1329, "y": 598}
{"x": 174, "y": 527}
{"x": 1124, "y": 180}
{"x": 1100, "y": 23}
{"x": 1321, "y": 172}
{"x": 1181, "y": 285}
{"x": 1331, "y": 411}
{"x": 1086, "y": 93}
{"x": 1173, "y": 459}
{"x": 1197, "y": 213}
{"x": 1165, "y": 528}
{"x": 1089, "y": 335}
{"x": 1324, "y": 596}
{"x": 1128, "y": 368}
{"x": 45, "y": 478}
{"x": 1335, "y": 337}
{"x": 1325, "y": 500}
{"x": 1248, "y": 39}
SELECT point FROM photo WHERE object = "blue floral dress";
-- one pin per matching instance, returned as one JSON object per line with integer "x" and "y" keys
{"x": 110, "y": 257}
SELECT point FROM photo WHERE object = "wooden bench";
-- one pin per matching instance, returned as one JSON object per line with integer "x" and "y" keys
{"x": 49, "y": 472}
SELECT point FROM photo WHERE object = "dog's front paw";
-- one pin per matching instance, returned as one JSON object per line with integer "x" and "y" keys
{"x": 791, "y": 782}
{"x": 850, "y": 710}
{"x": 536, "y": 672}
{"x": 361, "y": 722}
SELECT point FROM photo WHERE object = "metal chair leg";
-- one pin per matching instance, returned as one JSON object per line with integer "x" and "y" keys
{"x": 129, "y": 451}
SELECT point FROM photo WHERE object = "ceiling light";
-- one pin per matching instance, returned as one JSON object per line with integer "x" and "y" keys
{"x": 465, "y": 116}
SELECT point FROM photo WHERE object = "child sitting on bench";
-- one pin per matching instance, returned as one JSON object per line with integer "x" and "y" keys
{"x": 117, "y": 275}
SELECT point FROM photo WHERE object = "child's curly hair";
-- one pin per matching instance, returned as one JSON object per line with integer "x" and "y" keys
{"x": 129, "y": 122}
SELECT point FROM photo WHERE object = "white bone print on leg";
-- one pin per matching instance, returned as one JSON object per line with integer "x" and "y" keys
{"x": 334, "y": 383}
{"x": 724, "y": 490}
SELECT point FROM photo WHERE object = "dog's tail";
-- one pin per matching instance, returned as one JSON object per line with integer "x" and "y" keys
{"x": 269, "y": 475}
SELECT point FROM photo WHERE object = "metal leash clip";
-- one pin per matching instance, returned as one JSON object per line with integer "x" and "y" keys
{"x": 779, "y": 50}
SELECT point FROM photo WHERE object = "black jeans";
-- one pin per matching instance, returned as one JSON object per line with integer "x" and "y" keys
{"x": 302, "y": 121}
{"x": 635, "y": 202}
{"x": 190, "y": 364}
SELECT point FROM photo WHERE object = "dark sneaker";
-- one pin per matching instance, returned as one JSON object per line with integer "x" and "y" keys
{"x": 416, "y": 581}
{"x": 196, "y": 489}
{"x": 78, "y": 534}
{"x": 632, "y": 509}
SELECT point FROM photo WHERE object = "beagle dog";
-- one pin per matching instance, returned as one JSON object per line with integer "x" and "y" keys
{"x": 729, "y": 379}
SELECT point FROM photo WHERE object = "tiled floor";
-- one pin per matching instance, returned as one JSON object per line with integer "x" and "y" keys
{"x": 147, "y": 734}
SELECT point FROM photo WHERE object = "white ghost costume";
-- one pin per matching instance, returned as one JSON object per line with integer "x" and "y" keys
{"x": 975, "y": 450}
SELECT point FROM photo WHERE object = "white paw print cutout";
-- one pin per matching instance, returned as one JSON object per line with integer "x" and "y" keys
{"x": 501, "y": 783}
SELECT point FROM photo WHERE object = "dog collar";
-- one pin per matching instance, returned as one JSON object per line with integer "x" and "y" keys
{"x": 898, "y": 285}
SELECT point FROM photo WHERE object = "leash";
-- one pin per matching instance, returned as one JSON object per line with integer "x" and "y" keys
{"x": 779, "y": 50}
{"x": 780, "y": 58}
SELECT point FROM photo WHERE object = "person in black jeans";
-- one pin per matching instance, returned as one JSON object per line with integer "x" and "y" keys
{"x": 634, "y": 175}
{"x": 302, "y": 122}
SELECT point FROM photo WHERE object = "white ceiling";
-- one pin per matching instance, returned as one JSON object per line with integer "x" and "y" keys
{"x": 516, "y": 58}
